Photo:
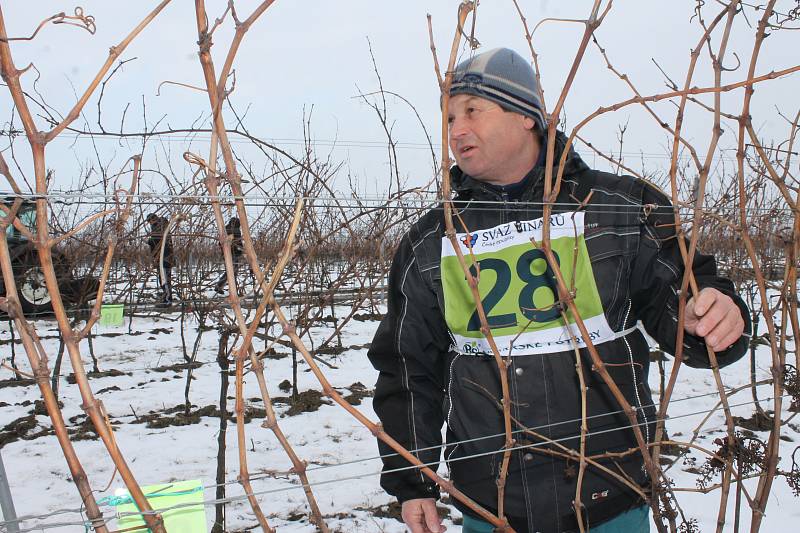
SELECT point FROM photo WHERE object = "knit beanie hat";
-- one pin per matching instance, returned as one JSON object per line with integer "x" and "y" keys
{"x": 504, "y": 77}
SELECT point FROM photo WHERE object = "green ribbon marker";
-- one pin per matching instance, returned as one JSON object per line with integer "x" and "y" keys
{"x": 111, "y": 315}
{"x": 188, "y": 519}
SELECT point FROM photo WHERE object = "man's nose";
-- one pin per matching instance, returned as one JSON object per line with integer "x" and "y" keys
{"x": 458, "y": 128}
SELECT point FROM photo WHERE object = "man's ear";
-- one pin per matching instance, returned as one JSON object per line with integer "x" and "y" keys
{"x": 528, "y": 122}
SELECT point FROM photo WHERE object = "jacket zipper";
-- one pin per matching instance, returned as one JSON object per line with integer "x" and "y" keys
{"x": 635, "y": 379}
{"x": 450, "y": 408}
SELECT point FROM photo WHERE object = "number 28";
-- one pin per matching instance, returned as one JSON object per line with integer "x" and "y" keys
{"x": 503, "y": 282}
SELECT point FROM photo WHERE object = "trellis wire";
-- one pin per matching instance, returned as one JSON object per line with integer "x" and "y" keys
{"x": 410, "y": 200}
{"x": 234, "y": 499}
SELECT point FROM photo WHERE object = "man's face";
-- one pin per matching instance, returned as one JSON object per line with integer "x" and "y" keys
{"x": 488, "y": 143}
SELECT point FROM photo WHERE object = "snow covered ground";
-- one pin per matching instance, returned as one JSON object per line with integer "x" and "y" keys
{"x": 341, "y": 453}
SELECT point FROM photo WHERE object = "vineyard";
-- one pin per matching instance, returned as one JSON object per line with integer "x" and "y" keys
{"x": 185, "y": 323}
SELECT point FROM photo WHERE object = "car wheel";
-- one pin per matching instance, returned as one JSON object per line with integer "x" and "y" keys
{"x": 33, "y": 294}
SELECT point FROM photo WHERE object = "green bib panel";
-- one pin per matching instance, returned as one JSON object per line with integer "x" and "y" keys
{"x": 518, "y": 288}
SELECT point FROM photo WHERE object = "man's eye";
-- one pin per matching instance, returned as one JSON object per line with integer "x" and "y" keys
{"x": 450, "y": 120}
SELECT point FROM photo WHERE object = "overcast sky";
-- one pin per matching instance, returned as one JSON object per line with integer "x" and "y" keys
{"x": 305, "y": 54}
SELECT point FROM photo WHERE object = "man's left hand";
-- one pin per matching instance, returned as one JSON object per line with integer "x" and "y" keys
{"x": 714, "y": 316}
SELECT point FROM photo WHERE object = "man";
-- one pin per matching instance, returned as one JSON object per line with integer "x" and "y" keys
{"x": 234, "y": 231}
{"x": 163, "y": 263}
{"x": 435, "y": 366}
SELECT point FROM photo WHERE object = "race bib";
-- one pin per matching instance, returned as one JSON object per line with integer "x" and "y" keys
{"x": 518, "y": 288}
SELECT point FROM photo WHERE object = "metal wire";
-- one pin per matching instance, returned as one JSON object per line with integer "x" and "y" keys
{"x": 234, "y": 499}
{"x": 411, "y": 200}
{"x": 417, "y": 450}
{"x": 203, "y": 136}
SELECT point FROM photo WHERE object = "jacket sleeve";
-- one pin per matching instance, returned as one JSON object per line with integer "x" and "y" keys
{"x": 656, "y": 280}
{"x": 408, "y": 351}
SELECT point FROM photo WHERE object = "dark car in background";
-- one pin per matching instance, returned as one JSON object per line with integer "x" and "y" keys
{"x": 29, "y": 277}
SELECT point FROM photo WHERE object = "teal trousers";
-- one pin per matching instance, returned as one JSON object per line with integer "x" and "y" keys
{"x": 634, "y": 521}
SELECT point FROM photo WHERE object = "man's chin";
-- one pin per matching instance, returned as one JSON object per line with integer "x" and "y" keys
{"x": 469, "y": 168}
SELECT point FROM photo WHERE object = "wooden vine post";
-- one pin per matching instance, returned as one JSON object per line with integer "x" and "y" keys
{"x": 44, "y": 243}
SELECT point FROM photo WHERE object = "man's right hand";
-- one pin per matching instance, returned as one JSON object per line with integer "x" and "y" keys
{"x": 421, "y": 517}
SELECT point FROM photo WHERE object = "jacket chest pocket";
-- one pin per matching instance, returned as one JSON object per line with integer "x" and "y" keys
{"x": 432, "y": 274}
{"x": 611, "y": 251}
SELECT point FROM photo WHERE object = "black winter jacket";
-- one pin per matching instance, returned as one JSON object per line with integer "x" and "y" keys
{"x": 154, "y": 238}
{"x": 428, "y": 376}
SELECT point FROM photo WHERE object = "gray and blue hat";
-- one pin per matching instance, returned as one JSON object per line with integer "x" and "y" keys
{"x": 504, "y": 77}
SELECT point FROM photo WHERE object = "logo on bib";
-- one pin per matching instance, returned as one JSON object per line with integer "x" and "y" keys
{"x": 470, "y": 240}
